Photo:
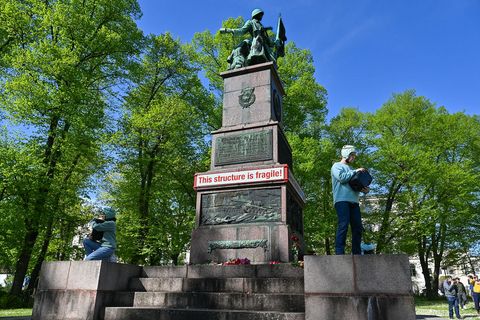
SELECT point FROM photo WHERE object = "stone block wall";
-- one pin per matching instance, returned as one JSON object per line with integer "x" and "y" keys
{"x": 80, "y": 290}
{"x": 368, "y": 287}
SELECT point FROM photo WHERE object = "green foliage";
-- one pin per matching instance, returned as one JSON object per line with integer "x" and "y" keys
{"x": 304, "y": 106}
{"x": 61, "y": 63}
{"x": 59, "y": 60}
{"x": 425, "y": 172}
{"x": 160, "y": 145}
{"x": 9, "y": 302}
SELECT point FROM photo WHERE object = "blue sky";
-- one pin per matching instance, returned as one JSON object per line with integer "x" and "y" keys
{"x": 363, "y": 50}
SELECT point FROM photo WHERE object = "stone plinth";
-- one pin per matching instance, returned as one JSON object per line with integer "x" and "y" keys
{"x": 252, "y": 95}
{"x": 249, "y": 205}
{"x": 74, "y": 290}
{"x": 252, "y": 145}
{"x": 358, "y": 287}
{"x": 254, "y": 223}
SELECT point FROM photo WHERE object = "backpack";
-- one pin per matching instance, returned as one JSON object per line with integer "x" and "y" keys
{"x": 96, "y": 235}
{"x": 360, "y": 180}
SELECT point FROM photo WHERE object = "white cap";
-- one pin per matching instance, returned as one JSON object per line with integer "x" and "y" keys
{"x": 347, "y": 150}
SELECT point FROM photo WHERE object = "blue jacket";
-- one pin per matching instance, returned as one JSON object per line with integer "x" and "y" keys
{"x": 109, "y": 233}
{"x": 341, "y": 174}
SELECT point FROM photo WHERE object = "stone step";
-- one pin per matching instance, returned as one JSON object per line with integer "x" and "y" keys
{"x": 146, "y": 313}
{"x": 283, "y": 270}
{"x": 246, "y": 285}
{"x": 221, "y": 300}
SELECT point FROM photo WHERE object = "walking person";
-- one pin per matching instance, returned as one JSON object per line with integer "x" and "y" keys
{"x": 475, "y": 282}
{"x": 462, "y": 293}
{"x": 470, "y": 284}
{"x": 346, "y": 201}
{"x": 451, "y": 293}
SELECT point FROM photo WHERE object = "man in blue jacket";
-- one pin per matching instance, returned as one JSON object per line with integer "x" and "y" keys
{"x": 104, "y": 249}
{"x": 451, "y": 293}
{"x": 346, "y": 200}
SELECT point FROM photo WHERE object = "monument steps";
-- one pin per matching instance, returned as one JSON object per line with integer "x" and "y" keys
{"x": 152, "y": 313}
{"x": 216, "y": 292}
{"x": 246, "y": 285}
{"x": 222, "y": 300}
{"x": 283, "y": 270}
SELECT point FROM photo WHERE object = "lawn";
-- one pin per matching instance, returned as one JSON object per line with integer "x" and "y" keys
{"x": 439, "y": 308}
{"x": 15, "y": 312}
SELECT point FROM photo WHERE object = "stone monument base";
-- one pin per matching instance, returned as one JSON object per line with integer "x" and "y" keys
{"x": 371, "y": 287}
{"x": 221, "y": 243}
{"x": 71, "y": 290}
{"x": 368, "y": 287}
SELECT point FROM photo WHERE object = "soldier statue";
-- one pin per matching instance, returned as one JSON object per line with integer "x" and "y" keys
{"x": 260, "y": 48}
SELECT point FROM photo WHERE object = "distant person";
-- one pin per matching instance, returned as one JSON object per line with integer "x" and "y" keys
{"x": 462, "y": 293}
{"x": 470, "y": 284}
{"x": 104, "y": 248}
{"x": 367, "y": 246}
{"x": 475, "y": 282}
{"x": 346, "y": 201}
{"x": 451, "y": 293}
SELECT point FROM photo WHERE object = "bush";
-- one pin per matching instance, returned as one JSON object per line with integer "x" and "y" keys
{"x": 8, "y": 301}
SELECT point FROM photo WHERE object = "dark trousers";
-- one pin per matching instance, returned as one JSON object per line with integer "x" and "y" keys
{"x": 453, "y": 304}
{"x": 348, "y": 213}
{"x": 476, "y": 300}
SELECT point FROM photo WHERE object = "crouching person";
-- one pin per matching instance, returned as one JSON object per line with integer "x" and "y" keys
{"x": 104, "y": 249}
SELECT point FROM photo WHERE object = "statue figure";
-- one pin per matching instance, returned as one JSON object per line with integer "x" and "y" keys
{"x": 260, "y": 48}
{"x": 238, "y": 57}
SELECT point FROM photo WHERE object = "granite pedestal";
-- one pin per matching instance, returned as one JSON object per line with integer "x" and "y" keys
{"x": 368, "y": 287}
{"x": 80, "y": 290}
{"x": 255, "y": 216}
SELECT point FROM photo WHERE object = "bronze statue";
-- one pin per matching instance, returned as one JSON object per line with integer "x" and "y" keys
{"x": 260, "y": 48}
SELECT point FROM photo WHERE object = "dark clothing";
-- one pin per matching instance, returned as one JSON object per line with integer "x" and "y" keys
{"x": 348, "y": 214}
{"x": 450, "y": 289}
{"x": 453, "y": 304}
{"x": 476, "y": 300}
{"x": 461, "y": 294}
{"x": 451, "y": 293}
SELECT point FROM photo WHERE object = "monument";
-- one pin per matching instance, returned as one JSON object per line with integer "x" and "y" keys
{"x": 249, "y": 204}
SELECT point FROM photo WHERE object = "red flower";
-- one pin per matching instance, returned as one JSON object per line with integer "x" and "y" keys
{"x": 236, "y": 261}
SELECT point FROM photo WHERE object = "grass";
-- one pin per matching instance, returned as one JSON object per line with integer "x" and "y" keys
{"x": 439, "y": 307}
{"x": 15, "y": 312}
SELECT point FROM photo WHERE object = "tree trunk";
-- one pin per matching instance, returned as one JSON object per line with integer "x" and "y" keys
{"x": 174, "y": 257}
{"x": 43, "y": 252}
{"x": 147, "y": 176}
{"x": 385, "y": 224}
{"x": 50, "y": 161}
{"x": 328, "y": 250}
{"x": 423, "y": 253}
{"x": 23, "y": 260}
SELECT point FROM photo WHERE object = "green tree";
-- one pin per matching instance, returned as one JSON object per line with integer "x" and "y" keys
{"x": 161, "y": 145}
{"x": 58, "y": 61}
{"x": 424, "y": 176}
{"x": 348, "y": 127}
